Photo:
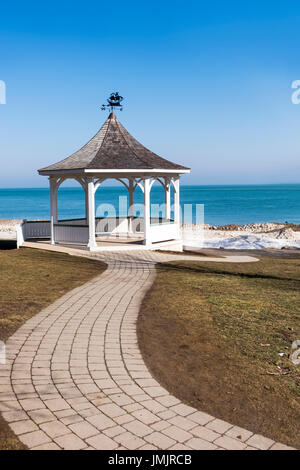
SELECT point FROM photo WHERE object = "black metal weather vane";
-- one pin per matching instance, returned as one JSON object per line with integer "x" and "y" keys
{"x": 114, "y": 101}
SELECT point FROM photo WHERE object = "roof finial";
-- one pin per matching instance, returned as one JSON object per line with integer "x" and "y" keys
{"x": 114, "y": 101}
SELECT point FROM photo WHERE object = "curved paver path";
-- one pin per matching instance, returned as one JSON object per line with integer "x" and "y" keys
{"x": 75, "y": 377}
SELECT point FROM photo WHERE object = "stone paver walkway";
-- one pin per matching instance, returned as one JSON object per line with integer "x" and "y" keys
{"x": 75, "y": 378}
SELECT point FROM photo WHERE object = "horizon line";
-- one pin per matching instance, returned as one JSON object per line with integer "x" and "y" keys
{"x": 182, "y": 185}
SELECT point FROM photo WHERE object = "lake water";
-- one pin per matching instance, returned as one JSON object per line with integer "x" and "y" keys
{"x": 222, "y": 204}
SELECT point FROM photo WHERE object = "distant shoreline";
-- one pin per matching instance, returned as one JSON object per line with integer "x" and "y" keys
{"x": 182, "y": 186}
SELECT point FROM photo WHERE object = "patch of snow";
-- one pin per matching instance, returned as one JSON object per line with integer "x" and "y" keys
{"x": 241, "y": 241}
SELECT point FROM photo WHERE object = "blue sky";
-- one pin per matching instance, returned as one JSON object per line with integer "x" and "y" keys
{"x": 206, "y": 84}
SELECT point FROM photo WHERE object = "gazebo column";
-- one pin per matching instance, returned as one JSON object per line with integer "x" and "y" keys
{"x": 131, "y": 205}
{"x": 91, "y": 214}
{"x": 86, "y": 195}
{"x": 167, "y": 199}
{"x": 177, "y": 205}
{"x": 53, "y": 206}
{"x": 147, "y": 221}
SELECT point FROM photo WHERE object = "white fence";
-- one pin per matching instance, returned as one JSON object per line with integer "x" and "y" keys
{"x": 72, "y": 221}
{"x": 119, "y": 225}
{"x": 32, "y": 229}
{"x": 164, "y": 231}
{"x": 77, "y": 231}
{"x": 36, "y": 229}
{"x": 71, "y": 233}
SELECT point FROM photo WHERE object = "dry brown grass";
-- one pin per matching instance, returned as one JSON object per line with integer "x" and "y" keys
{"x": 212, "y": 332}
{"x": 29, "y": 281}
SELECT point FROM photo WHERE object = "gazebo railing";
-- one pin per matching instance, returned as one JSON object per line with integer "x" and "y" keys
{"x": 164, "y": 231}
{"x": 80, "y": 221}
{"x": 126, "y": 225}
{"x": 36, "y": 229}
{"x": 119, "y": 225}
{"x": 73, "y": 233}
{"x": 77, "y": 230}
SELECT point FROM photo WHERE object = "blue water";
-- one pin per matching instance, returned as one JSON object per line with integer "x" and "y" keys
{"x": 223, "y": 204}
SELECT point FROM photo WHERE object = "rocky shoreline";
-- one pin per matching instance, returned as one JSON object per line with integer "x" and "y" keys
{"x": 264, "y": 227}
{"x": 8, "y": 228}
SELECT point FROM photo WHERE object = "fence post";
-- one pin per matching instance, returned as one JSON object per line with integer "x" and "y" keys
{"x": 20, "y": 237}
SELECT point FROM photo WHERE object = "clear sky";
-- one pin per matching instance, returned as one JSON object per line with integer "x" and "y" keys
{"x": 206, "y": 84}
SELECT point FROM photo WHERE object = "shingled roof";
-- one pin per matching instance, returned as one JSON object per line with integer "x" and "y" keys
{"x": 113, "y": 148}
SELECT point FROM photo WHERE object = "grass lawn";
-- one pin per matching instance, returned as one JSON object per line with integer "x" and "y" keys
{"x": 211, "y": 333}
{"x": 29, "y": 281}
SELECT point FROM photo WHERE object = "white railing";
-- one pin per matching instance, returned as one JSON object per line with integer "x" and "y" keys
{"x": 72, "y": 221}
{"x": 71, "y": 233}
{"x": 137, "y": 224}
{"x": 164, "y": 231}
{"x": 19, "y": 234}
{"x": 109, "y": 225}
{"x": 119, "y": 225}
{"x": 77, "y": 231}
{"x": 36, "y": 229}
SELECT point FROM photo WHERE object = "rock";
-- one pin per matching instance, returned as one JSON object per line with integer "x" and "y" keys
{"x": 288, "y": 247}
{"x": 254, "y": 228}
{"x": 285, "y": 233}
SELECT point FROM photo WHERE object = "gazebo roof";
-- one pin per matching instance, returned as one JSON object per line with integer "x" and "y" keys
{"x": 113, "y": 149}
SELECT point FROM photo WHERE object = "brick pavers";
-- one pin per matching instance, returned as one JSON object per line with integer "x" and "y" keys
{"x": 75, "y": 377}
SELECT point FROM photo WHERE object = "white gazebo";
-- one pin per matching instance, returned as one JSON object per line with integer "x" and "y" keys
{"x": 114, "y": 153}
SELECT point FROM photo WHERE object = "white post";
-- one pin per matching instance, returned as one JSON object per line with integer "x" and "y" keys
{"x": 55, "y": 214}
{"x": 177, "y": 205}
{"x": 167, "y": 198}
{"x": 131, "y": 205}
{"x": 147, "y": 228}
{"x": 20, "y": 237}
{"x": 86, "y": 195}
{"x": 53, "y": 207}
{"x": 91, "y": 214}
